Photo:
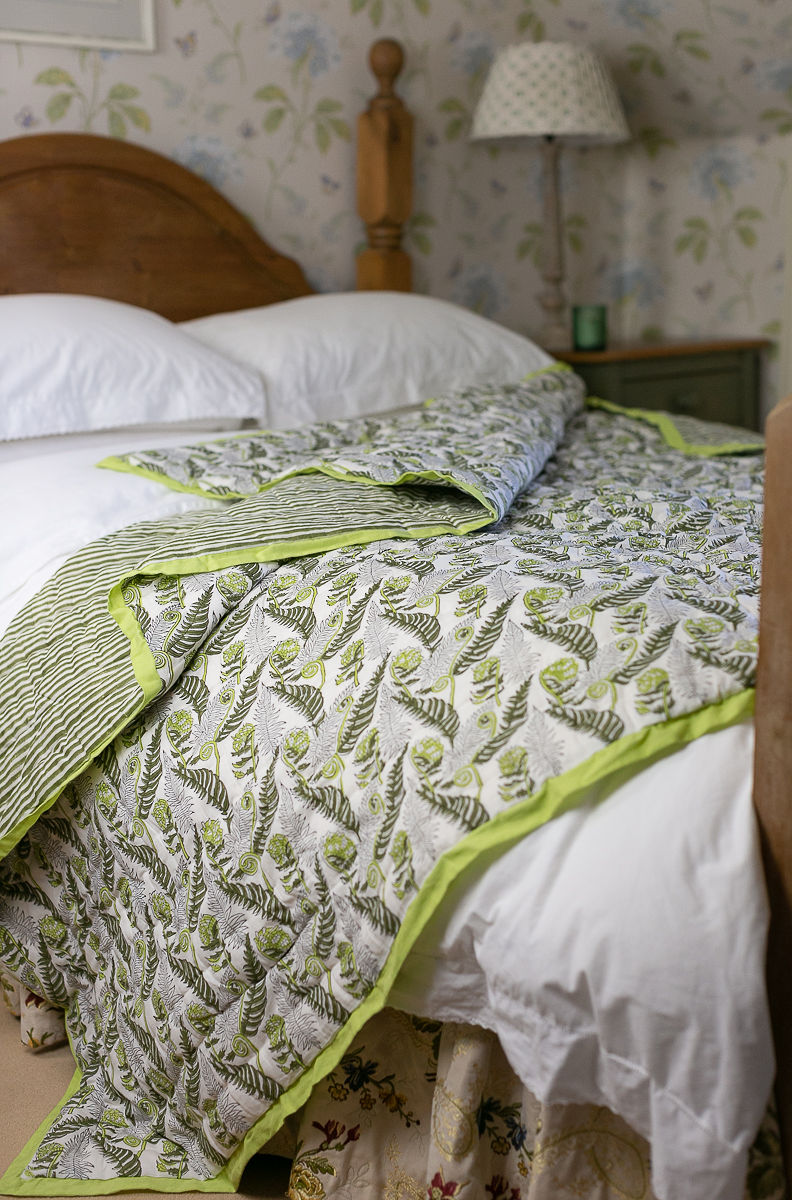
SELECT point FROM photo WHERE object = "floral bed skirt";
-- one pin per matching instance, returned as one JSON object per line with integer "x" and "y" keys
{"x": 419, "y": 1110}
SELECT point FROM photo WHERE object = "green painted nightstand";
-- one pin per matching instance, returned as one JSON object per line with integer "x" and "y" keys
{"x": 715, "y": 380}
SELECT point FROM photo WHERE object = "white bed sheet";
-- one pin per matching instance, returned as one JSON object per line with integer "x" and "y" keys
{"x": 618, "y": 953}
{"x": 53, "y": 500}
{"x": 663, "y": 1018}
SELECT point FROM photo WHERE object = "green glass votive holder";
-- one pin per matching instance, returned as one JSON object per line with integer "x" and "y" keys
{"x": 589, "y": 326}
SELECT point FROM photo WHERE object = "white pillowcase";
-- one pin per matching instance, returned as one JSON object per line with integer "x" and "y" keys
{"x": 74, "y": 363}
{"x": 342, "y": 354}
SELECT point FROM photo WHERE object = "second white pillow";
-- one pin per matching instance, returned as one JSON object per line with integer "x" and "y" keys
{"x": 339, "y": 355}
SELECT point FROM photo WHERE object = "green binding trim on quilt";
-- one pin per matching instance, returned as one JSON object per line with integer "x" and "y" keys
{"x": 141, "y": 657}
{"x": 554, "y": 366}
{"x": 333, "y": 472}
{"x": 114, "y": 463}
{"x": 317, "y": 464}
{"x": 605, "y": 770}
{"x": 672, "y": 433}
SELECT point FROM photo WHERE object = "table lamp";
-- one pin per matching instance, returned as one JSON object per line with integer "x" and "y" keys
{"x": 550, "y": 90}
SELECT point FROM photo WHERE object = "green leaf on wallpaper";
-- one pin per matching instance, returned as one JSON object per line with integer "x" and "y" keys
{"x": 328, "y": 106}
{"x": 423, "y": 7}
{"x": 782, "y": 116}
{"x": 322, "y": 137}
{"x": 529, "y": 22}
{"x": 574, "y": 225}
{"x": 273, "y": 119}
{"x": 530, "y": 246}
{"x": 357, "y": 5}
{"x": 116, "y": 124}
{"x": 748, "y": 214}
{"x": 270, "y": 91}
{"x": 138, "y": 116}
{"x": 653, "y": 139}
{"x": 58, "y": 105}
{"x": 452, "y": 105}
{"x": 375, "y": 12}
{"x": 747, "y": 235}
{"x": 174, "y": 93}
{"x": 689, "y": 40}
{"x": 643, "y": 56}
{"x": 416, "y": 226}
{"x": 454, "y": 128}
{"x": 341, "y": 129}
{"x": 122, "y": 91}
{"x": 54, "y": 76}
{"x": 696, "y": 239}
{"x": 217, "y": 69}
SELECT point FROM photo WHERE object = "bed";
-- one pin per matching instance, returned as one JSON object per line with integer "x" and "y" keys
{"x": 214, "y": 843}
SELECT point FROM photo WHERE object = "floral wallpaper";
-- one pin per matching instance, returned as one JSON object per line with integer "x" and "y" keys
{"x": 680, "y": 231}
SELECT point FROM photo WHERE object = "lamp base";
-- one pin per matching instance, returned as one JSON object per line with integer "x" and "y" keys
{"x": 555, "y": 334}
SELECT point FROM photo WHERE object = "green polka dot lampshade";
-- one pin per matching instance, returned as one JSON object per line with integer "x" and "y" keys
{"x": 540, "y": 88}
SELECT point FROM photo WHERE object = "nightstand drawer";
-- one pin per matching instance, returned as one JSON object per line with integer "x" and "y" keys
{"x": 711, "y": 381}
{"x": 711, "y": 396}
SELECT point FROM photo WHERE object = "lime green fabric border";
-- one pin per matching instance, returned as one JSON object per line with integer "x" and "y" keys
{"x": 119, "y": 463}
{"x": 112, "y": 463}
{"x": 600, "y": 774}
{"x": 665, "y": 424}
{"x": 141, "y": 658}
{"x": 553, "y": 366}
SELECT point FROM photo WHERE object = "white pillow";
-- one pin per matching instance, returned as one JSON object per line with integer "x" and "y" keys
{"x": 74, "y": 363}
{"x": 346, "y": 353}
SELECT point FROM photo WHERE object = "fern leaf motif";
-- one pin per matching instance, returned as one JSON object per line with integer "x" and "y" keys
{"x": 425, "y": 626}
{"x": 484, "y": 640}
{"x": 603, "y": 724}
{"x": 394, "y": 795}
{"x": 207, "y": 784}
{"x": 577, "y": 638}
{"x": 330, "y": 801}
{"x": 433, "y": 711}
{"x": 362, "y": 711}
{"x": 191, "y": 630}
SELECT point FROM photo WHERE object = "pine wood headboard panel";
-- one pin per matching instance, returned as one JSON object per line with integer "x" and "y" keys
{"x": 82, "y": 213}
{"x": 98, "y": 216}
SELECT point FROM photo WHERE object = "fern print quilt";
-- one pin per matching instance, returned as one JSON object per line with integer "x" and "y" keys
{"x": 248, "y": 749}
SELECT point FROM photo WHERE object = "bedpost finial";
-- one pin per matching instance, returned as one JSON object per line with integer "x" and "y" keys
{"x": 386, "y": 59}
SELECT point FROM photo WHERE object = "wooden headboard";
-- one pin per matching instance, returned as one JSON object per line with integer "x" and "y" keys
{"x": 102, "y": 217}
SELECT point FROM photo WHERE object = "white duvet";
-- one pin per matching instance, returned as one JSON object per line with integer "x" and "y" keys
{"x": 617, "y": 952}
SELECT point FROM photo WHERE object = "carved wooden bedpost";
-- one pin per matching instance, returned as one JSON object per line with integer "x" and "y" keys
{"x": 384, "y": 176}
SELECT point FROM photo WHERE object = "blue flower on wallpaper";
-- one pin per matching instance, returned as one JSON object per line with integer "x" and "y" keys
{"x": 305, "y": 37}
{"x": 721, "y": 167}
{"x": 209, "y": 157}
{"x": 775, "y": 75}
{"x": 637, "y": 14}
{"x": 479, "y": 289}
{"x": 473, "y": 53}
{"x": 637, "y": 281}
